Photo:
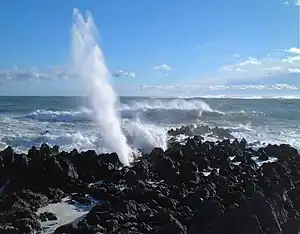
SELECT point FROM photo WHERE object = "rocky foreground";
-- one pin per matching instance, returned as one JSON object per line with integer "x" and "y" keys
{"x": 194, "y": 188}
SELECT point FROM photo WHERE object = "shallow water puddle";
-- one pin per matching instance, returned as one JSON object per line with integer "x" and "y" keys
{"x": 65, "y": 213}
{"x": 260, "y": 163}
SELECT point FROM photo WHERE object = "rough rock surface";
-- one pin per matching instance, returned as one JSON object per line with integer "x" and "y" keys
{"x": 199, "y": 187}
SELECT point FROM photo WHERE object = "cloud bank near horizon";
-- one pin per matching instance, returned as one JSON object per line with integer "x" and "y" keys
{"x": 282, "y": 63}
{"x": 276, "y": 71}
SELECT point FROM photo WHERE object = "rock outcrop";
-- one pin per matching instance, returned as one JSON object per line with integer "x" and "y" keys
{"x": 198, "y": 187}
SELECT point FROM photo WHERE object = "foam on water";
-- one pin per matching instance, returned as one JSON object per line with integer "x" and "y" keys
{"x": 265, "y": 134}
{"x": 141, "y": 133}
{"x": 260, "y": 163}
{"x": 145, "y": 122}
{"x": 155, "y": 110}
{"x": 168, "y": 104}
{"x": 146, "y": 136}
{"x": 88, "y": 64}
{"x": 163, "y": 113}
{"x": 65, "y": 213}
{"x": 60, "y": 116}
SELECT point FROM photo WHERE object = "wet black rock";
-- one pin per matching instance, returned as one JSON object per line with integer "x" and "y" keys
{"x": 201, "y": 130}
{"x": 68, "y": 228}
{"x": 17, "y": 215}
{"x": 263, "y": 156}
{"x": 47, "y": 216}
{"x": 8, "y": 229}
{"x": 165, "y": 191}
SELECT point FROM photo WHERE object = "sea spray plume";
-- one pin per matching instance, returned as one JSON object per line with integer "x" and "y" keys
{"x": 146, "y": 136}
{"x": 88, "y": 63}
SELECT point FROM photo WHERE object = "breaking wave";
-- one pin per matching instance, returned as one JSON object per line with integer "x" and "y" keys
{"x": 60, "y": 116}
{"x": 167, "y": 104}
{"x": 157, "y": 111}
{"x": 146, "y": 122}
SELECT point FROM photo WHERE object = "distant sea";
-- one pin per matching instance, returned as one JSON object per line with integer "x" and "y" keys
{"x": 70, "y": 123}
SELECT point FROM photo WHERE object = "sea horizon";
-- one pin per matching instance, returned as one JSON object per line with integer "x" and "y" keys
{"x": 250, "y": 97}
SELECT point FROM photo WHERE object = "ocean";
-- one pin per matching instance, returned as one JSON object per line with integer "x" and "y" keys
{"x": 70, "y": 123}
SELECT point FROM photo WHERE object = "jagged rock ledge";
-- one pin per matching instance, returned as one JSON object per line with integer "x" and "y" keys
{"x": 201, "y": 130}
{"x": 199, "y": 187}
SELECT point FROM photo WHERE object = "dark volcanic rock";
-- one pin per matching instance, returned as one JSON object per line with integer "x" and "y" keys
{"x": 263, "y": 156}
{"x": 68, "y": 228}
{"x": 8, "y": 229}
{"x": 91, "y": 166}
{"x": 52, "y": 172}
{"x": 202, "y": 130}
{"x": 47, "y": 216}
{"x": 263, "y": 209}
{"x": 163, "y": 192}
{"x": 208, "y": 217}
{"x": 17, "y": 215}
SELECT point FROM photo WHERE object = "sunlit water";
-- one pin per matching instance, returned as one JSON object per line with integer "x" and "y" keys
{"x": 68, "y": 122}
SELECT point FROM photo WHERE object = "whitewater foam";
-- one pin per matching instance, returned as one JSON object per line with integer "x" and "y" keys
{"x": 88, "y": 64}
{"x": 167, "y": 111}
{"x": 65, "y": 213}
{"x": 171, "y": 111}
{"x": 60, "y": 116}
{"x": 168, "y": 104}
{"x": 145, "y": 136}
{"x": 69, "y": 125}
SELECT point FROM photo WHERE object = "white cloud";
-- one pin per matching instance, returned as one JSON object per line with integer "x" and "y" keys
{"x": 32, "y": 74}
{"x": 294, "y": 70}
{"x": 237, "y": 55}
{"x": 253, "y": 69}
{"x": 297, "y": 2}
{"x": 53, "y": 73}
{"x": 216, "y": 87}
{"x": 226, "y": 68}
{"x": 293, "y": 50}
{"x": 271, "y": 74}
{"x": 124, "y": 74}
{"x": 284, "y": 86}
{"x": 250, "y": 61}
{"x": 237, "y": 67}
{"x": 275, "y": 68}
{"x": 291, "y": 59}
{"x": 163, "y": 67}
{"x": 241, "y": 70}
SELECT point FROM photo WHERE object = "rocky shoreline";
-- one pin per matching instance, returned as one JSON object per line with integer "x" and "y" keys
{"x": 199, "y": 187}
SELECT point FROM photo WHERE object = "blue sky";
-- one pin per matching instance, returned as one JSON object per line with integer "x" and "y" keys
{"x": 154, "y": 47}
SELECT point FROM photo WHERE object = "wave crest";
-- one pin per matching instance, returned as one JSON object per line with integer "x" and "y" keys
{"x": 157, "y": 111}
{"x": 60, "y": 116}
{"x": 168, "y": 111}
{"x": 167, "y": 104}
